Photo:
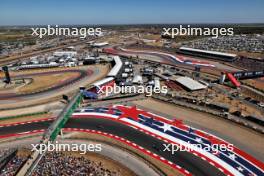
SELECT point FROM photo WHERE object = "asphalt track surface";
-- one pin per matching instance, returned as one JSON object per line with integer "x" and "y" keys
{"x": 82, "y": 74}
{"x": 169, "y": 60}
{"x": 188, "y": 161}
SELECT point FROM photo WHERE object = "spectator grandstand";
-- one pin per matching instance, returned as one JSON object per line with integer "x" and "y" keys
{"x": 249, "y": 63}
{"x": 50, "y": 65}
{"x": 208, "y": 54}
{"x": 117, "y": 67}
{"x": 57, "y": 163}
{"x": 110, "y": 80}
{"x": 12, "y": 166}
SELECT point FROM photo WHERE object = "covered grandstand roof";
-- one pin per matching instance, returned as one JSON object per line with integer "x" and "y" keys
{"x": 103, "y": 81}
{"x": 118, "y": 65}
{"x": 190, "y": 84}
{"x": 100, "y": 44}
{"x": 64, "y": 53}
{"x": 208, "y": 52}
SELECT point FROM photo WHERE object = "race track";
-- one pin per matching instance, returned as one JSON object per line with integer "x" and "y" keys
{"x": 82, "y": 74}
{"x": 151, "y": 132}
{"x": 188, "y": 161}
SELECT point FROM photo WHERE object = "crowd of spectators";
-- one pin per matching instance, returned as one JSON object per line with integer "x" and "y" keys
{"x": 58, "y": 163}
{"x": 248, "y": 43}
{"x": 4, "y": 152}
{"x": 12, "y": 166}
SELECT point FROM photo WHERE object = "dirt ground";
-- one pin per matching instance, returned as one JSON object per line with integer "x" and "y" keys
{"x": 23, "y": 152}
{"x": 45, "y": 81}
{"x": 236, "y": 105}
{"x": 257, "y": 83}
{"x": 246, "y": 138}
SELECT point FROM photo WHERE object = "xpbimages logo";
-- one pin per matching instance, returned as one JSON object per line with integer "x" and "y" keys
{"x": 214, "y": 148}
{"x": 61, "y": 147}
{"x": 148, "y": 90}
{"x": 65, "y": 31}
{"x": 197, "y": 31}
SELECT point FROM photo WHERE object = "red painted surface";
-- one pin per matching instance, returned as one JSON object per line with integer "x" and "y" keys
{"x": 110, "y": 51}
{"x": 233, "y": 80}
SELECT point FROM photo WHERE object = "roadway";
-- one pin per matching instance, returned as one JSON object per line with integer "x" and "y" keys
{"x": 82, "y": 74}
{"x": 162, "y": 56}
{"x": 188, "y": 161}
{"x": 32, "y": 99}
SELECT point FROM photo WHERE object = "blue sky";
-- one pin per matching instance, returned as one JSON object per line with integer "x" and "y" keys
{"x": 33, "y": 12}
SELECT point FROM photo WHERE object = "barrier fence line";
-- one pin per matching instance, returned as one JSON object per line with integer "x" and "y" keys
{"x": 50, "y": 135}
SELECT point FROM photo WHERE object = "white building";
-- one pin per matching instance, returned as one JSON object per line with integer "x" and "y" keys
{"x": 65, "y": 53}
